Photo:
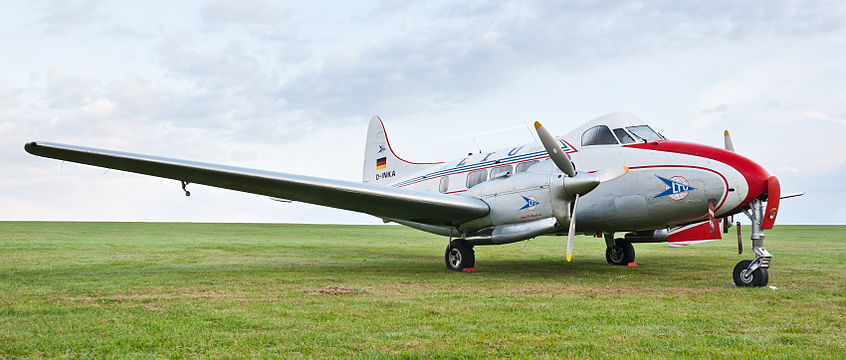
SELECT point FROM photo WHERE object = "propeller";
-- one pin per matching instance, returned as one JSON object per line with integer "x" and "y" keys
{"x": 572, "y": 232}
{"x": 612, "y": 173}
{"x": 729, "y": 145}
{"x": 728, "y": 142}
{"x": 576, "y": 184}
{"x": 773, "y": 191}
{"x": 558, "y": 157}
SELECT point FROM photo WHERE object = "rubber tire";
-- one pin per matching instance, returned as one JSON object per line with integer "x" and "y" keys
{"x": 465, "y": 252}
{"x": 765, "y": 277}
{"x": 621, "y": 245}
{"x": 760, "y": 277}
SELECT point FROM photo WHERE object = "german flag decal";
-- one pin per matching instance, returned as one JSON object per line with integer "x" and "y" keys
{"x": 381, "y": 163}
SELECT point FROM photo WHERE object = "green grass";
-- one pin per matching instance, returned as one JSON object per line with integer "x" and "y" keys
{"x": 153, "y": 290}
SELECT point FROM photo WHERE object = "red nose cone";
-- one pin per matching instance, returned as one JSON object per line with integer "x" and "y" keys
{"x": 755, "y": 175}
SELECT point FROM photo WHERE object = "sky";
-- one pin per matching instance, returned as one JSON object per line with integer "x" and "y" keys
{"x": 291, "y": 86}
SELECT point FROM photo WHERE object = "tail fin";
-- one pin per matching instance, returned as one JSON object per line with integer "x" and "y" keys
{"x": 381, "y": 165}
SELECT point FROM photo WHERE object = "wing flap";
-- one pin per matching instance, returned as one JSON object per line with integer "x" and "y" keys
{"x": 380, "y": 201}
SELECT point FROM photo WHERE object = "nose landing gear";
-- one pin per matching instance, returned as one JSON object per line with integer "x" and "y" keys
{"x": 754, "y": 272}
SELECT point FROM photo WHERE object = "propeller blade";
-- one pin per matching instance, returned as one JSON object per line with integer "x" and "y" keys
{"x": 554, "y": 149}
{"x": 572, "y": 231}
{"x": 729, "y": 143}
{"x": 788, "y": 196}
{"x": 712, "y": 220}
{"x": 612, "y": 173}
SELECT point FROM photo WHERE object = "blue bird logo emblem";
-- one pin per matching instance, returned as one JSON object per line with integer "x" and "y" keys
{"x": 531, "y": 203}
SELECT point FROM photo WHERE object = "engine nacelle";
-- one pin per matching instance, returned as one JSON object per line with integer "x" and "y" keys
{"x": 650, "y": 236}
{"x": 504, "y": 234}
{"x": 522, "y": 206}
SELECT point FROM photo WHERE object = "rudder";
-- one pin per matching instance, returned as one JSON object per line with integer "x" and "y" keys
{"x": 381, "y": 165}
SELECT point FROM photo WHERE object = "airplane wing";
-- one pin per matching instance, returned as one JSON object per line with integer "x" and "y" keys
{"x": 380, "y": 201}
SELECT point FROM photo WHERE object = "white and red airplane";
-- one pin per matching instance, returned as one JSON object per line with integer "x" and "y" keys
{"x": 616, "y": 173}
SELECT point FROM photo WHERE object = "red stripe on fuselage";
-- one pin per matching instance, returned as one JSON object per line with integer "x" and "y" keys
{"x": 755, "y": 175}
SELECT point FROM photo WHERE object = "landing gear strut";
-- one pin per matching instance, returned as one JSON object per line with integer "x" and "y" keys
{"x": 459, "y": 255}
{"x": 754, "y": 272}
{"x": 618, "y": 251}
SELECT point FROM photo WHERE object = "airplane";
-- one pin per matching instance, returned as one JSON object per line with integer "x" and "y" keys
{"x": 616, "y": 173}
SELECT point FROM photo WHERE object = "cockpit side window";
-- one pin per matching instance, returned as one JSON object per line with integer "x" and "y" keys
{"x": 598, "y": 135}
{"x": 623, "y": 136}
{"x": 645, "y": 133}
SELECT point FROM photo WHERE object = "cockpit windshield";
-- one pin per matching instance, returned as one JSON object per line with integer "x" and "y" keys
{"x": 645, "y": 133}
{"x": 624, "y": 137}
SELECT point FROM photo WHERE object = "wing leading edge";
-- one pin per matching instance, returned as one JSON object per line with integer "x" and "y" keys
{"x": 383, "y": 202}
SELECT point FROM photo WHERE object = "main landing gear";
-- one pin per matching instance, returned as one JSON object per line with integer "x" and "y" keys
{"x": 754, "y": 272}
{"x": 459, "y": 255}
{"x": 618, "y": 251}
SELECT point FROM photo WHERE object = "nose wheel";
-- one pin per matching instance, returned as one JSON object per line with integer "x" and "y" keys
{"x": 459, "y": 255}
{"x": 744, "y": 277}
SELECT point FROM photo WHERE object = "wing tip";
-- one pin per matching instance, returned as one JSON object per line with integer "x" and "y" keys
{"x": 537, "y": 125}
{"x": 30, "y": 147}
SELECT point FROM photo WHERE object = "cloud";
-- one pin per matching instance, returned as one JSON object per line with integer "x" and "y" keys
{"x": 817, "y": 115}
{"x": 412, "y": 72}
{"x": 61, "y": 16}
{"x": 244, "y": 12}
{"x": 787, "y": 169}
{"x": 69, "y": 90}
{"x": 716, "y": 109}
{"x": 8, "y": 97}
{"x": 229, "y": 66}
{"x": 446, "y": 53}
{"x": 126, "y": 32}
{"x": 144, "y": 101}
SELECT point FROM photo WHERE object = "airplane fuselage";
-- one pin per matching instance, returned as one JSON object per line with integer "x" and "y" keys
{"x": 670, "y": 183}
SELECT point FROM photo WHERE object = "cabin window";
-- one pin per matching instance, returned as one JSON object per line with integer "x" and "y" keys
{"x": 523, "y": 166}
{"x": 645, "y": 133}
{"x": 623, "y": 136}
{"x": 500, "y": 171}
{"x": 476, "y": 176}
{"x": 598, "y": 135}
{"x": 444, "y": 186}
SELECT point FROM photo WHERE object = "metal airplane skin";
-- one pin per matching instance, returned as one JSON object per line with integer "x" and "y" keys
{"x": 615, "y": 173}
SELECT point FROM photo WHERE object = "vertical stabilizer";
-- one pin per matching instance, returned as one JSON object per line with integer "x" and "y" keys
{"x": 381, "y": 165}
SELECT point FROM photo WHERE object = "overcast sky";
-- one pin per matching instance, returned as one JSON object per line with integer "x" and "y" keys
{"x": 290, "y": 87}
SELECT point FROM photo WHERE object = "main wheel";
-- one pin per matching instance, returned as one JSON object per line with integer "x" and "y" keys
{"x": 759, "y": 277}
{"x": 622, "y": 253}
{"x": 459, "y": 255}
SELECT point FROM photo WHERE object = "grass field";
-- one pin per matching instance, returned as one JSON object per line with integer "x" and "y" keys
{"x": 152, "y": 290}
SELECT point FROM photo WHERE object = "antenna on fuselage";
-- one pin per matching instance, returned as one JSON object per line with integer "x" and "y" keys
{"x": 477, "y": 144}
{"x": 532, "y": 133}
